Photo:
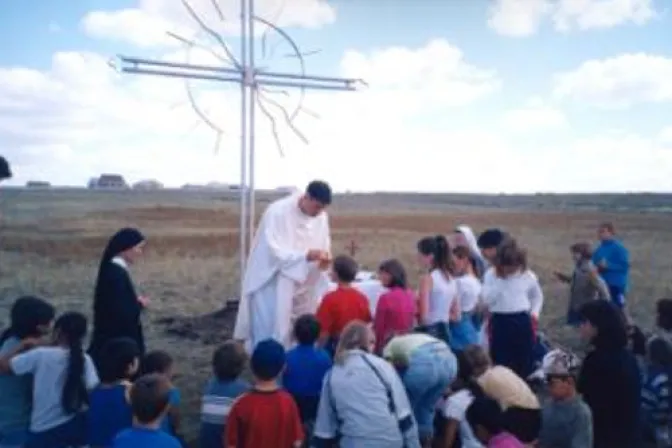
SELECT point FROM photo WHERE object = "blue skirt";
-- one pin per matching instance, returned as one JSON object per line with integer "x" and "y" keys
{"x": 463, "y": 333}
{"x": 512, "y": 342}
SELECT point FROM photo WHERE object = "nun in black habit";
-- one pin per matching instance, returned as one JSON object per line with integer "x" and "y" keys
{"x": 116, "y": 306}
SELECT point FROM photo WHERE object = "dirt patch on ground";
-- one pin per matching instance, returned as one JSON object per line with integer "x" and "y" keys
{"x": 209, "y": 329}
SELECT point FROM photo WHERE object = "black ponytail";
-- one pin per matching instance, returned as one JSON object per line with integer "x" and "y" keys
{"x": 442, "y": 255}
{"x": 440, "y": 251}
{"x": 71, "y": 329}
{"x": 28, "y": 313}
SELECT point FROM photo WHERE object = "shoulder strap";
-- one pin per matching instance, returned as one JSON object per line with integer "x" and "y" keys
{"x": 388, "y": 389}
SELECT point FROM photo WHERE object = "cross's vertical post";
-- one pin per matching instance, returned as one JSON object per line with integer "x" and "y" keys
{"x": 353, "y": 248}
{"x": 252, "y": 88}
{"x": 242, "y": 250}
{"x": 250, "y": 80}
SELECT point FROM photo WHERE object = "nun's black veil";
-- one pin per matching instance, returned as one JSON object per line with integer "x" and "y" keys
{"x": 121, "y": 241}
{"x": 115, "y": 306}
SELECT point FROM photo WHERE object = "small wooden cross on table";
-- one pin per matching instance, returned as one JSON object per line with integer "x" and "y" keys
{"x": 352, "y": 248}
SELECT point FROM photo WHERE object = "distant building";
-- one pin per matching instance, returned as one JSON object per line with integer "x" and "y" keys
{"x": 287, "y": 190}
{"x": 149, "y": 184}
{"x": 108, "y": 182}
{"x": 38, "y": 184}
{"x": 211, "y": 186}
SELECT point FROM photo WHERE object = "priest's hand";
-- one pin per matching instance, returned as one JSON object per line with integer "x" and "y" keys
{"x": 324, "y": 264}
{"x": 315, "y": 255}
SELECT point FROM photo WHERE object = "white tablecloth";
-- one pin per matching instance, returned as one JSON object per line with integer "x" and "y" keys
{"x": 366, "y": 283}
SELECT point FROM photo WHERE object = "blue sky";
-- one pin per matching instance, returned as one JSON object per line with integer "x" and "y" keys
{"x": 605, "y": 126}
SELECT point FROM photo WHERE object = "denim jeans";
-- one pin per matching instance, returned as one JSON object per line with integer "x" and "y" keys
{"x": 617, "y": 295}
{"x": 431, "y": 369}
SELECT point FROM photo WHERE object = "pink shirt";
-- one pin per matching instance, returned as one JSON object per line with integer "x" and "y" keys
{"x": 395, "y": 314}
{"x": 505, "y": 440}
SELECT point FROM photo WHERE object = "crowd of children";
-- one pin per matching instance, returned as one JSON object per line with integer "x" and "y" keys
{"x": 417, "y": 372}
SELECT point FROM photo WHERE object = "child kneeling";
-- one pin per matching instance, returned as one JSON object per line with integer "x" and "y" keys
{"x": 150, "y": 397}
{"x": 267, "y": 415}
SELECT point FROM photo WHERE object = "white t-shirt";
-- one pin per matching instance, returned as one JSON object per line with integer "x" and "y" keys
{"x": 469, "y": 292}
{"x": 455, "y": 408}
{"x": 519, "y": 292}
{"x": 49, "y": 366}
{"x": 444, "y": 291}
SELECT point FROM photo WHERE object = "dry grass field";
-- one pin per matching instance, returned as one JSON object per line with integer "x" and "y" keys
{"x": 50, "y": 242}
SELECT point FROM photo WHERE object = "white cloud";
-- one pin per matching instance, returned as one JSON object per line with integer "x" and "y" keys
{"x": 521, "y": 18}
{"x": 132, "y": 25}
{"x": 84, "y": 116}
{"x": 535, "y": 117}
{"x": 436, "y": 75}
{"x": 665, "y": 136}
{"x": 146, "y": 24}
{"x": 595, "y": 14}
{"x": 618, "y": 82}
{"x": 634, "y": 162}
{"x": 80, "y": 118}
{"x": 517, "y": 18}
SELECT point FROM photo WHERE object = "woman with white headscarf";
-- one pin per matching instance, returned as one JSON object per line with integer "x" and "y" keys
{"x": 465, "y": 237}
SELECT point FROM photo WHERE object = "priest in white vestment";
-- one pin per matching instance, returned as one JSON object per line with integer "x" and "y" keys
{"x": 285, "y": 270}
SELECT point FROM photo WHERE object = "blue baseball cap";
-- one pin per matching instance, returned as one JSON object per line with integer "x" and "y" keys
{"x": 268, "y": 359}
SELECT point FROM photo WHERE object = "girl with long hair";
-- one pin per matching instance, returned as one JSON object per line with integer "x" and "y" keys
{"x": 514, "y": 299}
{"x": 610, "y": 378}
{"x": 437, "y": 294}
{"x": 116, "y": 305}
{"x": 63, "y": 375}
{"x": 465, "y": 331}
{"x": 30, "y": 318}
{"x": 395, "y": 310}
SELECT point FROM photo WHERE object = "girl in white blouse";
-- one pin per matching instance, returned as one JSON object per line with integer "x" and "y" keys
{"x": 512, "y": 295}
{"x": 437, "y": 295}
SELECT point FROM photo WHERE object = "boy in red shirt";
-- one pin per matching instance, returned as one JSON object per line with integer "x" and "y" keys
{"x": 266, "y": 416}
{"x": 343, "y": 305}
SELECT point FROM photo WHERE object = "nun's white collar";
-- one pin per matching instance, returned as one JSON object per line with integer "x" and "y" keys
{"x": 120, "y": 262}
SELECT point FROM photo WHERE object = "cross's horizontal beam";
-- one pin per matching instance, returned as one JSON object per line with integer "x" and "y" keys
{"x": 183, "y": 75}
{"x": 215, "y": 73}
{"x": 236, "y": 79}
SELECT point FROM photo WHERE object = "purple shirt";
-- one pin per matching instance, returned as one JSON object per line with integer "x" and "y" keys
{"x": 395, "y": 315}
{"x": 505, "y": 440}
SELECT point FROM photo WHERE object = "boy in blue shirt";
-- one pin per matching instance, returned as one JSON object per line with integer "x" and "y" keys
{"x": 228, "y": 362}
{"x": 161, "y": 362}
{"x": 613, "y": 263}
{"x": 109, "y": 407}
{"x": 306, "y": 367}
{"x": 150, "y": 396}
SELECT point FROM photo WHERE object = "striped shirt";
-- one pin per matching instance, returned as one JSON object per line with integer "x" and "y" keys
{"x": 657, "y": 398}
{"x": 217, "y": 402}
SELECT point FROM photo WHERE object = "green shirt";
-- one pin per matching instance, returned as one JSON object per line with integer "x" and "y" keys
{"x": 399, "y": 349}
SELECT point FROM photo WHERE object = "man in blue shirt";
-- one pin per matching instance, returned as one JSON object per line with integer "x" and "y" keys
{"x": 613, "y": 262}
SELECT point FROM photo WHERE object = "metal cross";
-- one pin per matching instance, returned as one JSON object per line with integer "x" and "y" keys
{"x": 352, "y": 248}
{"x": 250, "y": 78}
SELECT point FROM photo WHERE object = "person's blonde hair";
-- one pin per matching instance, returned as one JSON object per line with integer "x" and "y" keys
{"x": 354, "y": 336}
